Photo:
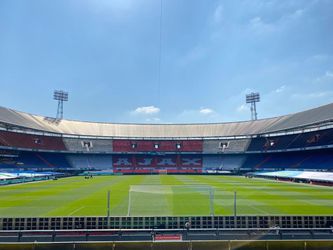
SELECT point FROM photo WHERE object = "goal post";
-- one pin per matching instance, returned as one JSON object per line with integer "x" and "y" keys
{"x": 162, "y": 171}
{"x": 211, "y": 201}
{"x": 167, "y": 200}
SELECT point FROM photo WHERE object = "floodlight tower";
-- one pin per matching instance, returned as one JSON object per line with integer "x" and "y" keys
{"x": 253, "y": 98}
{"x": 60, "y": 96}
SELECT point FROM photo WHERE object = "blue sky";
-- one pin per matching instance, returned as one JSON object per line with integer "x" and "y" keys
{"x": 105, "y": 53}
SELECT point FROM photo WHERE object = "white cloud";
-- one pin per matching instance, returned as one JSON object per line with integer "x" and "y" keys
{"x": 243, "y": 108}
{"x": 257, "y": 25}
{"x": 256, "y": 21}
{"x": 329, "y": 74}
{"x": 238, "y": 100}
{"x": 280, "y": 89}
{"x": 317, "y": 59}
{"x": 327, "y": 77}
{"x": 199, "y": 115}
{"x": 218, "y": 14}
{"x": 259, "y": 17}
{"x": 146, "y": 110}
{"x": 260, "y": 26}
{"x": 297, "y": 14}
{"x": 206, "y": 111}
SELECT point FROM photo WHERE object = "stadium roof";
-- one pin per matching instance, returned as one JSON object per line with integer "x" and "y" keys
{"x": 277, "y": 124}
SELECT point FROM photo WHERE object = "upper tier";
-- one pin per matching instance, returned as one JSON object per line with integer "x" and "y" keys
{"x": 287, "y": 122}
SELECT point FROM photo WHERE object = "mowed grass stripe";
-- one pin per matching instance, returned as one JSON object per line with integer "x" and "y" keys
{"x": 93, "y": 201}
{"x": 149, "y": 202}
{"x": 195, "y": 200}
{"x": 77, "y": 196}
{"x": 41, "y": 198}
{"x": 265, "y": 200}
{"x": 119, "y": 194}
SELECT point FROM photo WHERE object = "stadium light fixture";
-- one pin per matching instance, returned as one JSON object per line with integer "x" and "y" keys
{"x": 252, "y": 99}
{"x": 60, "y": 96}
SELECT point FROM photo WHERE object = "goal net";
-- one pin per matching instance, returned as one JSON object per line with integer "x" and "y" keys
{"x": 163, "y": 171}
{"x": 167, "y": 200}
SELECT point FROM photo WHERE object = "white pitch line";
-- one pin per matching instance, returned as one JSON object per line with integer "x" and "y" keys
{"x": 76, "y": 210}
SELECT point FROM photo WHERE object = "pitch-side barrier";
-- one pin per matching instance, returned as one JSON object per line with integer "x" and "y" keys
{"x": 165, "y": 222}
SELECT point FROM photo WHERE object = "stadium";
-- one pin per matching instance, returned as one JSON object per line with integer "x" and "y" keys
{"x": 239, "y": 185}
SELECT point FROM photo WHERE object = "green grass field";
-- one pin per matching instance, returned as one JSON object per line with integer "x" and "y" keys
{"x": 76, "y": 196}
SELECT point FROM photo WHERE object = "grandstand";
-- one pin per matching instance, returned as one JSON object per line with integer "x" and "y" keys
{"x": 297, "y": 141}
{"x": 294, "y": 148}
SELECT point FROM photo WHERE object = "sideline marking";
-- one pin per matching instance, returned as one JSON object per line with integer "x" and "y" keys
{"x": 76, "y": 210}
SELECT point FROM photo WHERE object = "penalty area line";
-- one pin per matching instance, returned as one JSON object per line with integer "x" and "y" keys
{"x": 76, "y": 210}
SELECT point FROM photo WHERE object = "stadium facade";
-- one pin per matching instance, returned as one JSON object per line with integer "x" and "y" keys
{"x": 300, "y": 141}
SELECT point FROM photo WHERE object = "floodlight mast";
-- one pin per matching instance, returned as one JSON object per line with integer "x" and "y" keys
{"x": 253, "y": 98}
{"x": 60, "y": 96}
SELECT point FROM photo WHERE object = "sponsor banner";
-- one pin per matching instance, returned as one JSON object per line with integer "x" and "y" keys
{"x": 168, "y": 237}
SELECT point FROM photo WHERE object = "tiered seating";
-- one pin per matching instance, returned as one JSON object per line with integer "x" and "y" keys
{"x": 20, "y": 140}
{"x": 222, "y": 162}
{"x": 37, "y": 160}
{"x": 157, "y": 171}
{"x": 157, "y": 146}
{"x": 304, "y": 140}
{"x": 225, "y": 146}
{"x": 291, "y": 160}
{"x": 88, "y": 145}
{"x": 90, "y": 161}
{"x": 271, "y": 143}
{"x": 156, "y": 164}
{"x": 317, "y": 138}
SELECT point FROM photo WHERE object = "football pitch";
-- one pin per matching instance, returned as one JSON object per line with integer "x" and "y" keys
{"x": 159, "y": 195}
